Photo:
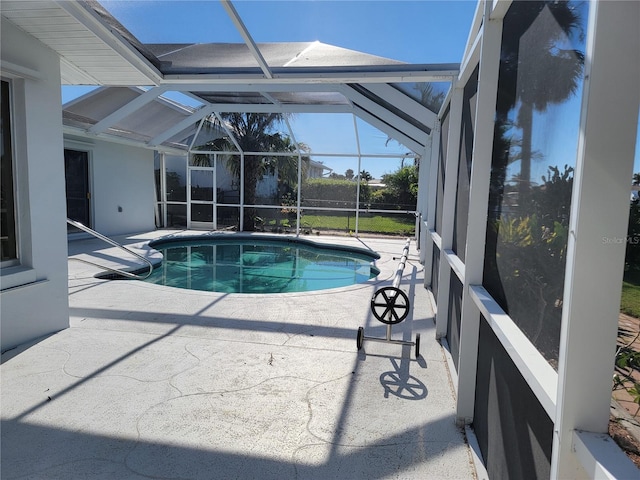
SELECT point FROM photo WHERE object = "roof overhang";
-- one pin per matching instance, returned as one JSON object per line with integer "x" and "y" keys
{"x": 92, "y": 52}
{"x": 95, "y": 49}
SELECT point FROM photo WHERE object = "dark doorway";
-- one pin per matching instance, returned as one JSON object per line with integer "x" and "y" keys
{"x": 76, "y": 169}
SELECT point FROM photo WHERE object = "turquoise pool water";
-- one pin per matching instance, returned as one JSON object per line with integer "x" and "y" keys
{"x": 237, "y": 264}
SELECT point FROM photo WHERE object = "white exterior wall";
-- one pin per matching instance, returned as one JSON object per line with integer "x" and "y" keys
{"x": 34, "y": 300}
{"x": 267, "y": 186}
{"x": 120, "y": 176}
{"x": 224, "y": 178}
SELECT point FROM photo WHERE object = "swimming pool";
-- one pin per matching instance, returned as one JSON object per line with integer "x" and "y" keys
{"x": 248, "y": 264}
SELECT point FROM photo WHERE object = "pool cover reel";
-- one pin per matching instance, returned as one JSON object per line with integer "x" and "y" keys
{"x": 390, "y": 305}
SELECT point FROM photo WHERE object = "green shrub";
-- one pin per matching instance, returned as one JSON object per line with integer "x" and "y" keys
{"x": 402, "y": 187}
{"x": 336, "y": 193}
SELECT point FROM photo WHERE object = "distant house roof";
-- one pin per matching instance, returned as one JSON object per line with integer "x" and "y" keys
{"x": 376, "y": 182}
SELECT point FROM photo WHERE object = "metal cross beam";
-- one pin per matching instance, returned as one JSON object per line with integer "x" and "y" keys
{"x": 253, "y": 48}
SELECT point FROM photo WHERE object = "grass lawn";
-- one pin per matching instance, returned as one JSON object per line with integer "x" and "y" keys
{"x": 396, "y": 225}
{"x": 630, "y": 303}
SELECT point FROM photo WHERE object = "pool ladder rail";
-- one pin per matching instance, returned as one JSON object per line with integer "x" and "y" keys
{"x": 119, "y": 272}
{"x": 390, "y": 305}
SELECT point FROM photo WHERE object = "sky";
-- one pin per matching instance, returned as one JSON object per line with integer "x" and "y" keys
{"x": 417, "y": 31}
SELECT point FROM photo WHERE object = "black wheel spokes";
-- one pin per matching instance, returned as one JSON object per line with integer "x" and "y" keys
{"x": 396, "y": 305}
{"x": 390, "y": 305}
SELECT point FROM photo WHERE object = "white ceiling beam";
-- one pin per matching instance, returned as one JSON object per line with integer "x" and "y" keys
{"x": 229, "y": 132}
{"x": 82, "y": 133}
{"x": 195, "y": 135}
{"x": 500, "y": 8}
{"x": 324, "y": 75}
{"x": 474, "y": 31}
{"x": 470, "y": 61}
{"x": 127, "y": 109}
{"x": 392, "y": 132}
{"x": 251, "y": 87}
{"x": 292, "y": 135}
{"x": 279, "y": 108}
{"x": 286, "y": 121}
{"x": 404, "y": 102}
{"x": 385, "y": 115}
{"x": 246, "y": 36}
{"x": 368, "y": 155}
{"x": 181, "y": 125}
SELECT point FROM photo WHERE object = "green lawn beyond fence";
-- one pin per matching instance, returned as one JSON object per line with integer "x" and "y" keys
{"x": 630, "y": 303}
{"x": 367, "y": 223}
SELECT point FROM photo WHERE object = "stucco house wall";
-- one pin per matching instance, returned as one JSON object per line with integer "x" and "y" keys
{"x": 122, "y": 185}
{"x": 33, "y": 296}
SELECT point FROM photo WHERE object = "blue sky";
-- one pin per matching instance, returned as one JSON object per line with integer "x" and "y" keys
{"x": 418, "y": 31}
{"x": 412, "y": 31}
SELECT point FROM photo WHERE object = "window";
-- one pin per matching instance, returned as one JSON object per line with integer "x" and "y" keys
{"x": 8, "y": 237}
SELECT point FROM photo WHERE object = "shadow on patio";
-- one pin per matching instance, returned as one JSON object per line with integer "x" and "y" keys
{"x": 166, "y": 383}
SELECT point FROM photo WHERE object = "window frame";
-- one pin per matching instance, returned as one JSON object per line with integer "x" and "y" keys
{"x": 20, "y": 272}
{"x": 17, "y": 260}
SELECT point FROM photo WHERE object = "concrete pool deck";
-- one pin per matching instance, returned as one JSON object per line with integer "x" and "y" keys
{"x": 157, "y": 382}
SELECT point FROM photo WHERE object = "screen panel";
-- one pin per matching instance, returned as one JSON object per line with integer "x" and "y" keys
{"x": 442, "y": 161}
{"x": 455, "y": 316}
{"x": 435, "y": 271}
{"x": 534, "y": 151}
{"x": 514, "y": 432}
{"x": 464, "y": 165}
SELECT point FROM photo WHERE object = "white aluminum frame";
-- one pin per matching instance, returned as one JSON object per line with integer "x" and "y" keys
{"x": 477, "y": 219}
{"x": 599, "y": 211}
{"x": 448, "y": 207}
{"x": 241, "y": 205}
{"x": 577, "y": 396}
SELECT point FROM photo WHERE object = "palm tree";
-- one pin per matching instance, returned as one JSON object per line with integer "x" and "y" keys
{"x": 539, "y": 66}
{"x": 255, "y": 132}
{"x": 286, "y": 167}
{"x": 366, "y": 176}
{"x": 429, "y": 97}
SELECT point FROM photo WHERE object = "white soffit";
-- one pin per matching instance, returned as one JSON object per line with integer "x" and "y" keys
{"x": 91, "y": 53}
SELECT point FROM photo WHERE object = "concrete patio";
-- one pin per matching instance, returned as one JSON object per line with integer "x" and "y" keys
{"x": 157, "y": 382}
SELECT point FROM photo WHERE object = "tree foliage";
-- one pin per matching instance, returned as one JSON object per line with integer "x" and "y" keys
{"x": 332, "y": 192}
{"x": 429, "y": 97}
{"x": 401, "y": 189}
{"x": 366, "y": 176}
{"x": 539, "y": 34}
{"x": 256, "y": 132}
{"x": 525, "y": 260}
